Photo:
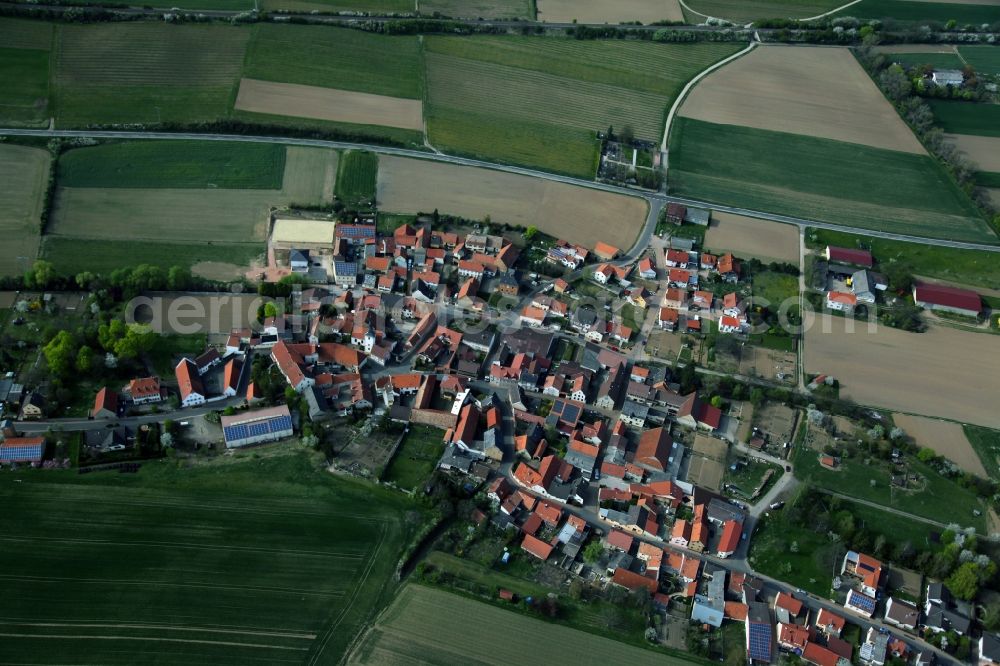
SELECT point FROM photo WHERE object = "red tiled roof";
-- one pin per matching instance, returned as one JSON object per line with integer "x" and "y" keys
{"x": 620, "y": 540}
{"x": 731, "y": 532}
{"x": 187, "y": 379}
{"x": 827, "y": 618}
{"x": 633, "y": 581}
{"x": 106, "y": 400}
{"x": 550, "y": 514}
{"x": 844, "y": 297}
{"x": 736, "y": 611}
{"x": 952, "y": 297}
{"x": 819, "y": 655}
{"x": 788, "y": 602}
{"x": 654, "y": 448}
{"x": 532, "y": 524}
{"x": 536, "y": 547}
{"x": 605, "y": 251}
{"x": 850, "y": 256}
{"x": 144, "y": 387}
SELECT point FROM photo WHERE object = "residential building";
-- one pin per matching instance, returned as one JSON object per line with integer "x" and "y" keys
{"x": 144, "y": 390}
{"x": 948, "y": 77}
{"x": 105, "y": 405}
{"x": 759, "y": 633}
{"x": 989, "y": 649}
{"x": 874, "y": 649}
{"x": 709, "y": 607}
{"x": 192, "y": 392}
{"x": 842, "y": 301}
{"x": 865, "y": 568}
{"x": 943, "y": 612}
{"x": 732, "y": 530}
{"x": 901, "y": 614}
{"x": 22, "y": 450}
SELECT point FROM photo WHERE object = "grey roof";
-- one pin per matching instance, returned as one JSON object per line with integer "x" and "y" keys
{"x": 298, "y": 256}
{"x": 720, "y": 511}
{"x": 345, "y": 268}
{"x": 681, "y": 243}
{"x": 901, "y": 612}
{"x": 990, "y": 647}
{"x": 700, "y": 216}
{"x": 635, "y": 410}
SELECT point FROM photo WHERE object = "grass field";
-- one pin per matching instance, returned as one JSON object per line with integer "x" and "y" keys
{"x": 971, "y": 267}
{"x": 986, "y": 444}
{"x": 420, "y": 627}
{"x": 25, "y": 34}
{"x": 146, "y": 72}
{"x": 259, "y": 557}
{"x": 24, "y": 173}
{"x": 984, "y": 59}
{"x": 819, "y": 179}
{"x": 541, "y": 101}
{"x": 967, "y": 117}
{"x": 74, "y": 255}
{"x": 742, "y": 10}
{"x": 487, "y": 9}
{"x": 336, "y": 58}
{"x": 372, "y": 6}
{"x": 600, "y": 11}
{"x": 24, "y": 78}
{"x": 175, "y": 164}
{"x": 356, "y": 178}
{"x": 987, "y": 179}
{"x": 916, "y": 10}
{"x": 774, "y": 288}
{"x": 936, "y": 60}
{"x": 416, "y": 458}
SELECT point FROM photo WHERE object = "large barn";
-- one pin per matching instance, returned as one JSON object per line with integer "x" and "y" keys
{"x": 950, "y": 299}
{"x": 257, "y": 427}
{"x": 22, "y": 450}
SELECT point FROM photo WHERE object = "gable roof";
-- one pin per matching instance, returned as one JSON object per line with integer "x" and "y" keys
{"x": 849, "y": 256}
{"x": 106, "y": 400}
{"x": 536, "y": 547}
{"x": 788, "y": 602}
{"x": 730, "y": 539}
{"x": 654, "y": 448}
{"x": 188, "y": 381}
{"x": 633, "y": 581}
{"x": 144, "y": 387}
{"x": 952, "y": 297}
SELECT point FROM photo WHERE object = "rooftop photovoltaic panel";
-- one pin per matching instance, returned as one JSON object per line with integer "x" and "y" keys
{"x": 760, "y": 642}
{"x": 20, "y": 453}
{"x": 862, "y": 601}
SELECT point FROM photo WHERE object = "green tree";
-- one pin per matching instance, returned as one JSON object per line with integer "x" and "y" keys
{"x": 593, "y": 551}
{"x": 60, "y": 353}
{"x": 270, "y": 310}
{"x": 757, "y": 397}
{"x": 109, "y": 334}
{"x": 964, "y": 583}
{"x": 83, "y": 280}
{"x": 926, "y": 454}
{"x": 530, "y": 233}
{"x": 717, "y": 401}
{"x": 178, "y": 278}
{"x": 84, "y": 360}
{"x": 40, "y": 276}
{"x": 137, "y": 340}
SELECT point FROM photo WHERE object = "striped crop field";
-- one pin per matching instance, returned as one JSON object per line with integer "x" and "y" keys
{"x": 984, "y": 59}
{"x": 487, "y": 9}
{"x": 270, "y": 561}
{"x": 356, "y": 177}
{"x": 752, "y": 10}
{"x": 146, "y": 72}
{"x": 541, "y": 101}
{"x": 25, "y": 34}
{"x": 23, "y": 173}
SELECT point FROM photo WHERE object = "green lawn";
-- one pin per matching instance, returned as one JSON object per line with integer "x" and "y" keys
{"x": 168, "y": 349}
{"x": 984, "y": 59}
{"x": 773, "y": 289}
{"x": 387, "y": 223}
{"x": 936, "y": 60}
{"x": 175, "y": 164}
{"x": 416, "y": 458}
{"x": 748, "y": 477}
{"x": 356, "y": 178}
{"x": 248, "y": 558}
{"x": 72, "y": 255}
{"x": 971, "y": 267}
{"x": 751, "y": 10}
{"x": 820, "y": 179}
{"x": 916, "y": 10}
{"x": 809, "y": 568}
{"x": 336, "y": 58}
{"x": 986, "y": 444}
{"x": 24, "y": 78}
{"x": 967, "y": 117}
{"x": 25, "y": 34}
{"x": 372, "y": 6}
{"x": 540, "y": 101}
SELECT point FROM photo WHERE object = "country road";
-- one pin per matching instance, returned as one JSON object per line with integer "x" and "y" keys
{"x": 656, "y": 200}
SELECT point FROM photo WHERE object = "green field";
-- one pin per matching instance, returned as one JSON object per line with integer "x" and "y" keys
{"x": 24, "y": 78}
{"x": 935, "y": 60}
{"x": 540, "y": 101}
{"x": 356, "y": 178}
{"x": 416, "y": 458}
{"x": 774, "y": 288}
{"x": 175, "y": 164}
{"x": 987, "y": 179}
{"x": 24, "y": 173}
{"x": 487, "y": 9}
{"x": 74, "y": 255}
{"x": 820, "y": 179}
{"x": 420, "y": 626}
{"x": 986, "y": 444}
{"x": 259, "y": 557}
{"x": 972, "y": 267}
{"x": 146, "y": 72}
{"x": 967, "y": 117}
{"x": 916, "y": 10}
{"x": 750, "y": 10}
{"x": 371, "y": 6}
{"x": 25, "y": 34}
{"x": 336, "y": 58}
{"x": 984, "y": 59}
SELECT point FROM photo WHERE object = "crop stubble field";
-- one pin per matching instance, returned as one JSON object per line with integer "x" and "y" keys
{"x": 947, "y": 438}
{"x": 575, "y": 213}
{"x": 984, "y": 151}
{"x": 600, "y": 11}
{"x": 925, "y": 373}
{"x": 24, "y": 172}
{"x": 750, "y": 237}
{"x": 270, "y": 561}
{"x": 420, "y": 625}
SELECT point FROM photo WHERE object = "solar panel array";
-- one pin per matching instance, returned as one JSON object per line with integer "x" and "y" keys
{"x": 241, "y": 431}
{"x": 21, "y": 453}
{"x": 862, "y": 601}
{"x": 345, "y": 268}
{"x": 356, "y": 231}
{"x": 760, "y": 641}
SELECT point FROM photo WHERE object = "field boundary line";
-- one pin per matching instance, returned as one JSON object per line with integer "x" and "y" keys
{"x": 154, "y": 640}
{"x": 832, "y": 11}
{"x": 687, "y": 88}
{"x": 92, "y": 625}
{"x": 696, "y": 13}
{"x": 157, "y": 583}
{"x": 251, "y": 549}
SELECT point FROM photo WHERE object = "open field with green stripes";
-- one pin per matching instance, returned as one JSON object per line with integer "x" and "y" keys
{"x": 986, "y": 444}
{"x": 744, "y": 10}
{"x": 600, "y": 11}
{"x": 935, "y": 60}
{"x": 24, "y": 173}
{"x": 420, "y": 627}
{"x": 356, "y": 178}
{"x": 540, "y": 102}
{"x": 917, "y": 10}
{"x": 819, "y": 179}
{"x": 487, "y": 9}
{"x": 966, "y": 117}
{"x": 370, "y": 6}
{"x": 984, "y": 59}
{"x": 249, "y": 559}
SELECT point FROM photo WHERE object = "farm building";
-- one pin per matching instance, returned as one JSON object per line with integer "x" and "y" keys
{"x": 22, "y": 450}
{"x": 189, "y": 383}
{"x": 289, "y": 234}
{"x": 841, "y": 300}
{"x": 105, "y": 404}
{"x": 256, "y": 427}
{"x": 947, "y": 299}
{"x": 848, "y": 256}
{"x": 947, "y": 77}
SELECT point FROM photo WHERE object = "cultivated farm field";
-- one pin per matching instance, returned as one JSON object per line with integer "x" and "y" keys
{"x": 820, "y": 179}
{"x": 966, "y": 117}
{"x": 540, "y": 101}
{"x": 598, "y": 11}
{"x": 372, "y": 6}
{"x": 24, "y": 173}
{"x": 750, "y": 237}
{"x": 225, "y": 563}
{"x": 752, "y": 10}
{"x": 487, "y": 9}
{"x": 357, "y": 177}
{"x": 24, "y": 71}
{"x": 963, "y": 11}
{"x": 947, "y": 438}
{"x": 420, "y": 625}
{"x": 817, "y": 92}
{"x": 925, "y": 373}
{"x": 576, "y": 213}
{"x": 985, "y": 59}
{"x": 983, "y": 151}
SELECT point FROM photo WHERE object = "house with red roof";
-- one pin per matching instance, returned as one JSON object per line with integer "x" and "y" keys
{"x": 620, "y": 540}
{"x": 728, "y": 268}
{"x": 789, "y": 604}
{"x": 677, "y": 259}
{"x": 680, "y": 278}
{"x": 842, "y": 301}
{"x": 865, "y": 568}
{"x": 829, "y": 622}
{"x": 732, "y": 530}
{"x": 680, "y": 534}
{"x": 695, "y": 413}
{"x": 843, "y": 255}
{"x": 21, "y": 450}
{"x": 947, "y": 299}
{"x": 192, "y": 392}
{"x": 144, "y": 390}
{"x": 231, "y": 377}
{"x": 105, "y": 404}
{"x": 814, "y": 653}
{"x": 646, "y": 268}
{"x": 605, "y": 252}
{"x": 699, "y": 530}
{"x": 794, "y": 637}
{"x": 535, "y": 546}
{"x": 634, "y": 581}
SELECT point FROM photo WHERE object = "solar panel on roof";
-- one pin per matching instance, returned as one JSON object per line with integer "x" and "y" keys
{"x": 760, "y": 641}
{"x": 862, "y": 601}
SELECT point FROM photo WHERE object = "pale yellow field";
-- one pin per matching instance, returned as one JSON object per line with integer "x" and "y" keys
{"x": 816, "y": 91}
{"x": 945, "y": 437}
{"x": 749, "y": 237}
{"x": 578, "y": 214}
{"x": 944, "y": 372}
{"x": 603, "y": 11}
{"x": 984, "y": 151}
{"x": 24, "y": 173}
{"x": 292, "y": 99}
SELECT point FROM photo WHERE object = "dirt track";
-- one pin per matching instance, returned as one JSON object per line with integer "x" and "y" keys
{"x": 291, "y": 99}
{"x": 944, "y": 372}
{"x": 602, "y": 11}
{"x": 577, "y": 214}
{"x": 945, "y": 437}
{"x": 983, "y": 150}
{"x": 749, "y": 237}
{"x": 815, "y": 91}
